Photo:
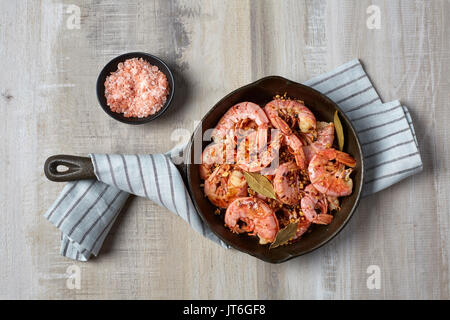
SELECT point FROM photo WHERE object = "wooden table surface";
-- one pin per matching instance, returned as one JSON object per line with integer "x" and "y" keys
{"x": 49, "y": 106}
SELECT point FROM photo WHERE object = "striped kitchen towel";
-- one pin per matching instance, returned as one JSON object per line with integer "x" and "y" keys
{"x": 85, "y": 210}
{"x": 386, "y": 132}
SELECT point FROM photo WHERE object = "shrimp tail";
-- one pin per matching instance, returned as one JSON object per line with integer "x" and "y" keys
{"x": 282, "y": 125}
{"x": 345, "y": 158}
{"x": 300, "y": 159}
{"x": 323, "y": 219}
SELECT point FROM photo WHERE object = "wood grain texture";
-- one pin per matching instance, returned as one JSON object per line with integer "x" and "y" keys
{"x": 48, "y": 103}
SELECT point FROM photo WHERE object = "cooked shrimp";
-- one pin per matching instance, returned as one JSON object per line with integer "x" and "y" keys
{"x": 286, "y": 114}
{"x": 215, "y": 154}
{"x": 255, "y": 153}
{"x": 295, "y": 147}
{"x": 287, "y": 183}
{"x": 224, "y": 185}
{"x": 325, "y": 134}
{"x": 325, "y": 138}
{"x": 302, "y": 227}
{"x": 253, "y": 215}
{"x": 303, "y": 223}
{"x": 328, "y": 174}
{"x": 286, "y": 144}
{"x": 312, "y": 202}
{"x": 244, "y": 115}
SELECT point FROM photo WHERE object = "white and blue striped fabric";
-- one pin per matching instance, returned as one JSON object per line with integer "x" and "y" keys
{"x": 385, "y": 130}
{"x": 85, "y": 210}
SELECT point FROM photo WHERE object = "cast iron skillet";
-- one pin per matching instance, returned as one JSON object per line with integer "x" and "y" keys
{"x": 260, "y": 92}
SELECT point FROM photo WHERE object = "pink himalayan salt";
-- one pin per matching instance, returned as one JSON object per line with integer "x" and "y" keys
{"x": 136, "y": 89}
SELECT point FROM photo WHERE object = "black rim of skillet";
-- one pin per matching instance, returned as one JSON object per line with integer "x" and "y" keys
{"x": 332, "y": 236}
{"x": 111, "y": 66}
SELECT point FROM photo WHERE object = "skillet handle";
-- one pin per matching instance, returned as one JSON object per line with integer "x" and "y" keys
{"x": 79, "y": 168}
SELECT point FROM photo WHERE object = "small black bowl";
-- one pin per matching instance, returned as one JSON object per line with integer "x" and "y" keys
{"x": 112, "y": 67}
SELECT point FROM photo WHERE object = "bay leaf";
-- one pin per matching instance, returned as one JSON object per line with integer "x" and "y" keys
{"x": 339, "y": 130}
{"x": 260, "y": 184}
{"x": 284, "y": 235}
